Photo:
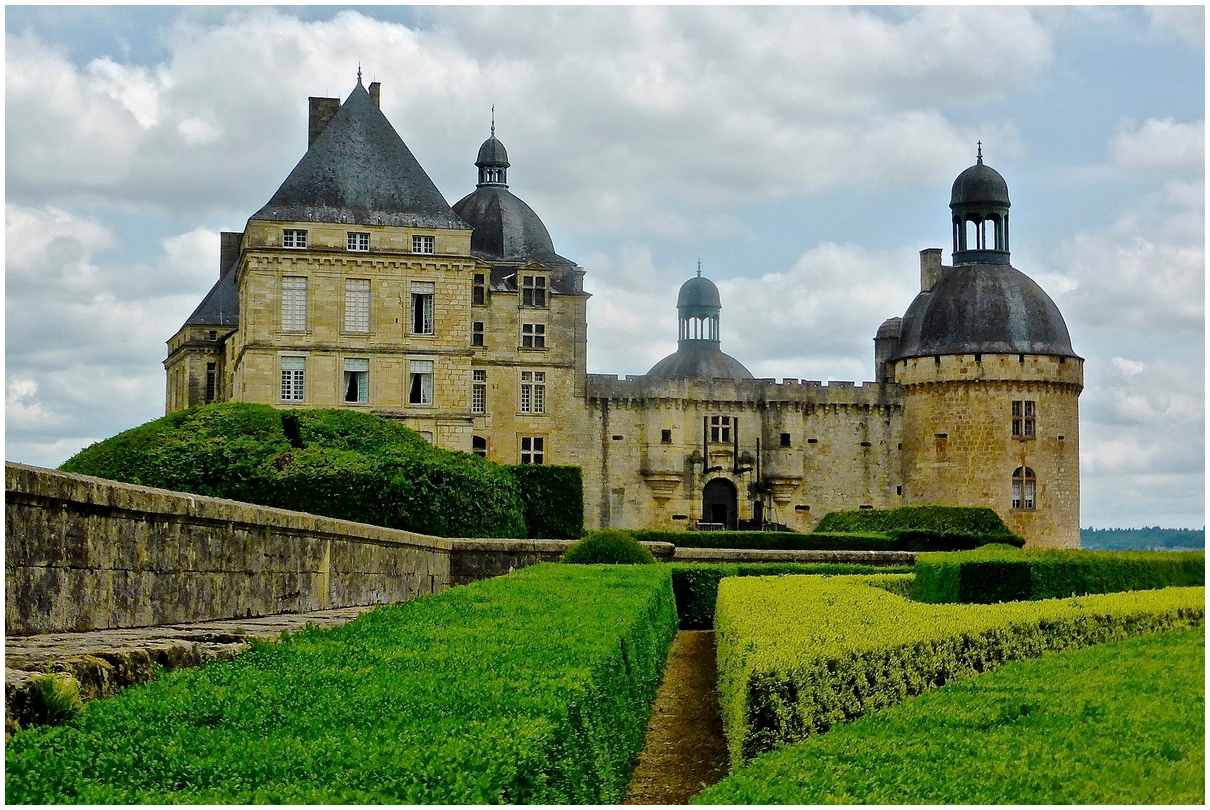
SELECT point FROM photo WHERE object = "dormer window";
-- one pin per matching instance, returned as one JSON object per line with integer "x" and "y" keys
{"x": 533, "y": 291}
{"x": 422, "y": 244}
{"x": 359, "y": 242}
{"x": 293, "y": 238}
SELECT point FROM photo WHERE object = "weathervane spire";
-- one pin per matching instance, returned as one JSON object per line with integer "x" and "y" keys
{"x": 699, "y": 268}
{"x": 359, "y": 72}
{"x": 980, "y": 145}
{"x": 493, "y": 120}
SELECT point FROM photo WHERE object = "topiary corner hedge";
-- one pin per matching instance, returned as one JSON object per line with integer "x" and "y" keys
{"x": 554, "y": 500}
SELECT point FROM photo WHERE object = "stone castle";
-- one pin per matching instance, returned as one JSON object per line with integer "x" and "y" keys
{"x": 357, "y": 285}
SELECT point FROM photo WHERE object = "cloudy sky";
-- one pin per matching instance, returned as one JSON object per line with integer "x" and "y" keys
{"x": 805, "y": 155}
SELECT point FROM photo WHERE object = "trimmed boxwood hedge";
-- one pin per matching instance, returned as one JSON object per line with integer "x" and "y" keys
{"x": 608, "y": 547}
{"x": 534, "y": 688}
{"x": 553, "y": 498}
{"x": 797, "y": 655}
{"x": 892, "y": 540}
{"x": 1004, "y": 574}
{"x": 934, "y": 518}
{"x": 339, "y": 463}
{"x": 696, "y": 584}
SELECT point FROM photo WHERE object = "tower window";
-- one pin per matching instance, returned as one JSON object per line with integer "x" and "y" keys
{"x": 357, "y": 305}
{"x": 420, "y": 382}
{"x": 533, "y": 450}
{"x": 479, "y": 290}
{"x": 533, "y": 291}
{"x": 294, "y": 303}
{"x": 785, "y": 440}
{"x": 479, "y": 390}
{"x": 422, "y": 307}
{"x": 477, "y": 333}
{"x": 1023, "y": 419}
{"x": 358, "y": 242}
{"x": 422, "y": 244}
{"x": 211, "y": 381}
{"x": 533, "y": 392}
{"x": 533, "y": 336}
{"x": 214, "y": 334}
{"x": 479, "y": 446}
{"x": 293, "y": 378}
{"x": 720, "y": 428}
{"x": 665, "y": 437}
{"x": 293, "y": 238}
{"x": 357, "y": 380}
{"x": 1024, "y": 488}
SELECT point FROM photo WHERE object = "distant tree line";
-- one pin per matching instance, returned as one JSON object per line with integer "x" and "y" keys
{"x": 1148, "y": 537}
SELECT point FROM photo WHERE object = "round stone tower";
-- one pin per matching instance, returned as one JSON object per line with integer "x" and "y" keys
{"x": 990, "y": 381}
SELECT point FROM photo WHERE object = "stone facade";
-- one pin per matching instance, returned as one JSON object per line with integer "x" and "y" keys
{"x": 509, "y": 372}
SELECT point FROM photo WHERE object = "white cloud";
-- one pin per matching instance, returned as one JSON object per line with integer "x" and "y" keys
{"x": 1162, "y": 145}
{"x": 1185, "y": 24}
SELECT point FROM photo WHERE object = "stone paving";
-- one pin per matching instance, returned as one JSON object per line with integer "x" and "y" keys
{"x": 106, "y": 661}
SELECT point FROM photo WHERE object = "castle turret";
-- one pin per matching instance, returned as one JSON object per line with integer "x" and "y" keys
{"x": 698, "y": 353}
{"x": 990, "y": 381}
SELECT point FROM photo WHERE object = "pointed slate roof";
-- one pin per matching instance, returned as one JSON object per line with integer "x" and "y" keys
{"x": 220, "y": 307}
{"x": 360, "y": 171}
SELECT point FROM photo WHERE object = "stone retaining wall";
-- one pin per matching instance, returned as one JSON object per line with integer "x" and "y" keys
{"x": 84, "y": 553}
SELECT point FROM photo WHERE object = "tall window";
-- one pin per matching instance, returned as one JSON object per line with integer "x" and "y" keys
{"x": 533, "y": 291}
{"x": 533, "y": 335}
{"x": 477, "y": 333}
{"x": 1023, "y": 418}
{"x": 293, "y": 377}
{"x": 479, "y": 446}
{"x": 533, "y": 392}
{"x": 294, "y": 303}
{"x": 720, "y": 428}
{"x": 533, "y": 450}
{"x": 422, "y": 307}
{"x": 293, "y": 238}
{"x": 422, "y": 244}
{"x": 479, "y": 390}
{"x": 357, "y": 305}
{"x": 359, "y": 242}
{"x": 420, "y": 382}
{"x": 357, "y": 380}
{"x": 1024, "y": 488}
{"x": 211, "y": 381}
{"x": 479, "y": 290}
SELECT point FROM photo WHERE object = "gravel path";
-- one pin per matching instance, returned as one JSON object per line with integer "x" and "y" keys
{"x": 684, "y": 750}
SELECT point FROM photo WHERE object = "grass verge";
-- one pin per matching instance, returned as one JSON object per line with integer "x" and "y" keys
{"x": 1119, "y": 723}
{"x": 530, "y": 688}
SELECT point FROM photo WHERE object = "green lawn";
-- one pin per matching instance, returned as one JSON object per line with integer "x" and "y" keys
{"x": 1118, "y": 723}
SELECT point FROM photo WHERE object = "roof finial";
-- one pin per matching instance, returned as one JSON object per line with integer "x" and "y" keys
{"x": 493, "y": 120}
{"x": 980, "y": 145}
{"x": 699, "y": 268}
{"x": 359, "y": 72}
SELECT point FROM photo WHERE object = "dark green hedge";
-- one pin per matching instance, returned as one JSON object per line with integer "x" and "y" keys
{"x": 893, "y": 540}
{"x": 978, "y": 520}
{"x": 1003, "y": 574}
{"x": 534, "y": 688}
{"x": 554, "y": 500}
{"x": 608, "y": 547}
{"x": 696, "y": 584}
{"x": 338, "y": 463}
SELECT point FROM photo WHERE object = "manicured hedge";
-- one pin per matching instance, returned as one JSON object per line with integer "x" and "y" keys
{"x": 608, "y": 547}
{"x": 339, "y": 463}
{"x": 800, "y": 654}
{"x": 892, "y": 540}
{"x": 696, "y": 584}
{"x": 553, "y": 498}
{"x": 929, "y": 527}
{"x": 1003, "y": 574}
{"x": 530, "y": 688}
{"x": 1115, "y": 724}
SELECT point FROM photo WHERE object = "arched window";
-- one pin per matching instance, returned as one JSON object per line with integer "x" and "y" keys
{"x": 1024, "y": 488}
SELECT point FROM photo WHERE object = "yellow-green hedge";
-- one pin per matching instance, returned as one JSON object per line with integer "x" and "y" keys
{"x": 798, "y": 654}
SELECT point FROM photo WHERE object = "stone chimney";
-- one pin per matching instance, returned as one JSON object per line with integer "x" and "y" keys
{"x": 228, "y": 251}
{"x": 375, "y": 91}
{"x": 322, "y": 112}
{"x": 930, "y": 268}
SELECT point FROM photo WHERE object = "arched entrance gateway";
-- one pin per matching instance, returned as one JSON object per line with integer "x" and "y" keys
{"x": 719, "y": 503}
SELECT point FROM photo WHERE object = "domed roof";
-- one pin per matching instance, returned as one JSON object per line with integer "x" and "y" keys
{"x": 699, "y": 362}
{"x": 699, "y": 292}
{"x": 983, "y": 308}
{"x": 980, "y": 185}
{"x": 492, "y": 153}
{"x": 506, "y": 229}
{"x": 891, "y": 328}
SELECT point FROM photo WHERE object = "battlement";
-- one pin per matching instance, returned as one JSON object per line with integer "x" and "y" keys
{"x": 610, "y": 387}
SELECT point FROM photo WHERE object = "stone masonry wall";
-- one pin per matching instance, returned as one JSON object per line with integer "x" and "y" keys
{"x": 83, "y": 553}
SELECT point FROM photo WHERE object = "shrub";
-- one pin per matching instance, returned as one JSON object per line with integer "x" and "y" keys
{"x": 925, "y": 528}
{"x": 1119, "y": 723}
{"x": 338, "y": 463}
{"x": 553, "y": 498}
{"x": 696, "y": 584}
{"x": 54, "y": 698}
{"x": 529, "y": 688}
{"x": 608, "y": 546}
{"x": 1005, "y": 574}
{"x": 798, "y": 655}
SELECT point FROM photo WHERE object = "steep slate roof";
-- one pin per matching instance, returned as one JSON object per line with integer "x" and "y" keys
{"x": 360, "y": 171}
{"x": 220, "y": 307}
{"x": 506, "y": 229}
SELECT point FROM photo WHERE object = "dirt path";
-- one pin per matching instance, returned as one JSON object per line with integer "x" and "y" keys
{"x": 684, "y": 750}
